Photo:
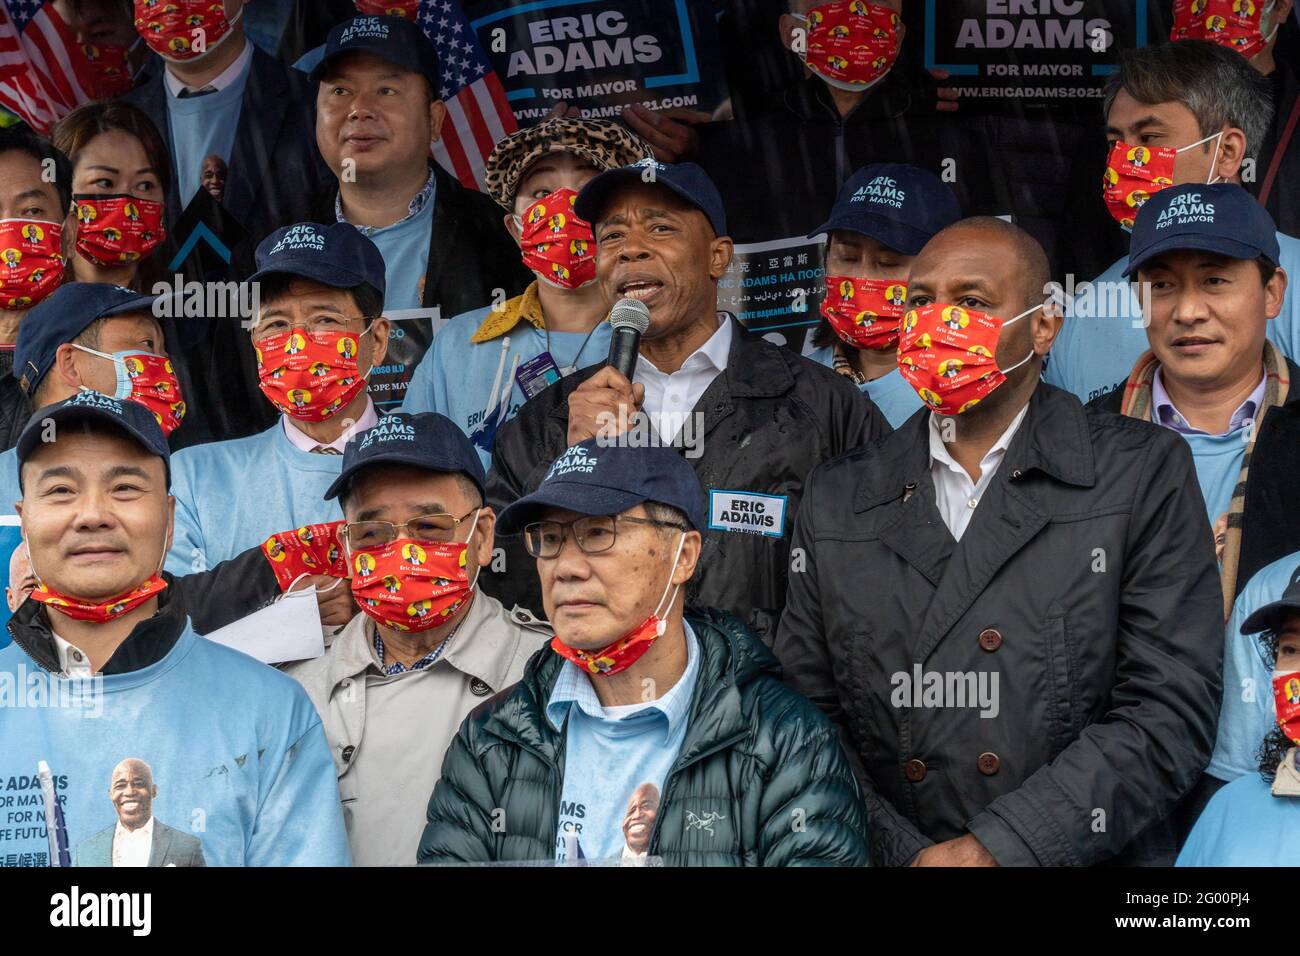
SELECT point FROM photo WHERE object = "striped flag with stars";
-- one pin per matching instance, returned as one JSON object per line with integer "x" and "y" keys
{"x": 478, "y": 114}
{"x": 42, "y": 67}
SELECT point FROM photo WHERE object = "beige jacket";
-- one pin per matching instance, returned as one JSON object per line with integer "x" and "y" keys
{"x": 387, "y": 766}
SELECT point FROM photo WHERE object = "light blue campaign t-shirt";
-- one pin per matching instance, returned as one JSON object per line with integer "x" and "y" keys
{"x": 1245, "y": 825}
{"x": 1103, "y": 335}
{"x": 616, "y": 761}
{"x": 201, "y": 126}
{"x": 405, "y": 248}
{"x": 1247, "y": 715}
{"x": 890, "y": 393}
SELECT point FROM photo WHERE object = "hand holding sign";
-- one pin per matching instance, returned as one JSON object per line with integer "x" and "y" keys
{"x": 670, "y": 133}
{"x": 601, "y": 401}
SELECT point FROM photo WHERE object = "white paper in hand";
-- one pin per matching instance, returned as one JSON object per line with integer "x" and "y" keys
{"x": 288, "y": 630}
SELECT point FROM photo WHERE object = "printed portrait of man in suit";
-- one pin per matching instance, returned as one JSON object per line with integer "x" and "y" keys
{"x": 137, "y": 839}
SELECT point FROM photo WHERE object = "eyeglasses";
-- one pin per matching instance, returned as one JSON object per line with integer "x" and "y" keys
{"x": 322, "y": 323}
{"x": 594, "y": 533}
{"x": 426, "y": 529}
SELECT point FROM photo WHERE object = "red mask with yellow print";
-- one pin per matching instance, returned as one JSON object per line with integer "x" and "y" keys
{"x": 1136, "y": 173}
{"x": 412, "y": 586}
{"x": 112, "y": 230}
{"x": 309, "y": 376}
{"x": 406, "y": 9}
{"x": 851, "y": 45}
{"x": 1236, "y": 24}
{"x": 171, "y": 28}
{"x": 1286, "y": 697}
{"x": 309, "y": 550}
{"x": 864, "y": 312}
{"x": 98, "y": 612}
{"x": 31, "y": 265}
{"x": 105, "y": 72}
{"x": 946, "y": 353}
{"x": 558, "y": 246}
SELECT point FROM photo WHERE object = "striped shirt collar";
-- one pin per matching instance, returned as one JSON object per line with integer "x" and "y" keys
{"x": 1167, "y": 414}
{"x": 417, "y": 204}
{"x": 573, "y": 690}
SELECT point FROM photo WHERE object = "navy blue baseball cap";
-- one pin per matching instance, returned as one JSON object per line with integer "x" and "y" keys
{"x": 393, "y": 39}
{"x": 1271, "y": 617}
{"x": 336, "y": 255}
{"x": 63, "y": 315}
{"x": 127, "y": 417}
{"x": 1221, "y": 218}
{"x": 687, "y": 180}
{"x": 594, "y": 480}
{"x": 428, "y": 440}
{"x": 899, "y": 206}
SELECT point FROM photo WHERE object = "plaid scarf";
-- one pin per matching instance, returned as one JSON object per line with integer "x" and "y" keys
{"x": 1137, "y": 404}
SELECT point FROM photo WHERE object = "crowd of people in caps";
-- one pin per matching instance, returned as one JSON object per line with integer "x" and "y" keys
{"x": 976, "y": 566}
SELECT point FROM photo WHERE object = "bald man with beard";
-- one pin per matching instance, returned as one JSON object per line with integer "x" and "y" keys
{"x": 137, "y": 839}
{"x": 1026, "y": 668}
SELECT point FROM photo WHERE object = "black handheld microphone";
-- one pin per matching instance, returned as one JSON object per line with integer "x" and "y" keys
{"x": 629, "y": 319}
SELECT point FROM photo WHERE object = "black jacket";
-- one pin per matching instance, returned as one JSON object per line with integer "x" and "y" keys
{"x": 15, "y": 408}
{"x": 1270, "y": 526}
{"x": 274, "y": 172}
{"x": 1085, "y": 584}
{"x": 472, "y": 262}
{"x": 210, "y": 599}
{"x": 768, "y": 419}
{"x": 756, "y": 756}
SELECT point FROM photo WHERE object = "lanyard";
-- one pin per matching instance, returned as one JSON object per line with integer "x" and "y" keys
{"x": 570, "y": 369}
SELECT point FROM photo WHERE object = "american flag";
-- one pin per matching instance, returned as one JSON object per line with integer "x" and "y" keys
{"x": 478, "y": 114}
{"x": 42, "y": 67}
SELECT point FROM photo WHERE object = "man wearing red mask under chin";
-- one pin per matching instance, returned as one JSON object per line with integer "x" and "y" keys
{"x": 636, "y": 694}
{"x": 427, "y": 648}
{"x": 319, "y": 332}
{"x": 1026, "y": 671}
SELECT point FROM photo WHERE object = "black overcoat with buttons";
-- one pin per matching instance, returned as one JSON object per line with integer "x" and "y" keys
{"x": 1085, "y": 583}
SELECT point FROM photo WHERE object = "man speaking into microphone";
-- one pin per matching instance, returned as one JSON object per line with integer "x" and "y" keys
{"x": 753, "y": 419}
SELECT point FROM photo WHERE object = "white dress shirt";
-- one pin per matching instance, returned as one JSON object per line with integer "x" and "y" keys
{"x": 132, "y": 847}
{"x": 304, "y": 442}
{"x": 670, "y": 398}
{"x": 955, "y": 495}
{"x": 220, "y": 81}
{"x": 73, "y": 661}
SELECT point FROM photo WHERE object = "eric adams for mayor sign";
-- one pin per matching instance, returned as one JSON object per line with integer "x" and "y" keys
{"x": 601, "y": 55}
{"x": 1044, "y": 51}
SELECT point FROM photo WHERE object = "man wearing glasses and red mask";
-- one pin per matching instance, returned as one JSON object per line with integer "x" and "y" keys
{"x": 427, "y": 648}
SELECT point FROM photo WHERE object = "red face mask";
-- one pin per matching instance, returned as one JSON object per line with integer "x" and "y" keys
{"x": 309, "y": 376}
{"x": 112, "y": 230}
{"x": 621, "y": 654}
{"x": 31, "y": 266}
{"x": 171, "y": 28}
{"x": 148, "y": 380}
{"x": 406, "y": 9}
{"x": 1236, "y": 24}
{"x": 410, "y": 586}
{"x": 558, "y": 246}
{"x": 1136, "y": 173}
{"x": 311, "y": 549}
{"x": 864, "y": 312}
{"x": 106, "y": 71}
{"x": 946, "y": 353}
{"x": 102, "y": 611}
{"x": 1286, "y": 697}
{"x": 851, "y": 45}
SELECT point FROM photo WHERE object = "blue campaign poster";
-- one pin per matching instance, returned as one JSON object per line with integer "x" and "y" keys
{"x": 11, "y": 535}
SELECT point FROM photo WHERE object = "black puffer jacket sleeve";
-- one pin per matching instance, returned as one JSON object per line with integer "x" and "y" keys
{"x": 801, "y": 648}
{"x": 1130, "y": 768}
{"x": 232, "y": 589}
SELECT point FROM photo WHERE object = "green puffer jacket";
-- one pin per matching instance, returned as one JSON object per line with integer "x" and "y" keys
{"x": 757, "y": 754}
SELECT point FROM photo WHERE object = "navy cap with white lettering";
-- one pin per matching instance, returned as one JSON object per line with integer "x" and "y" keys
{"x": 687, "y": 180}
{"x": 1273, "y": 617}
{"x": 591, "y": 479}
{"x": 121, "y": 415}
{"x": 394, "y": 39}
{"x": 336, "y": 255}
{"x": 427, "y": 440}
{"x": 1221, "y": 218}
{"x": 58, "y": 319}
{"x": 900, "y": 206}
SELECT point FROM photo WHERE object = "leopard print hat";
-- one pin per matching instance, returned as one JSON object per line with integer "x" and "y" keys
{"x": 606, "y": 144}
